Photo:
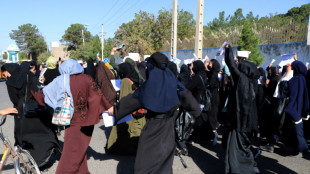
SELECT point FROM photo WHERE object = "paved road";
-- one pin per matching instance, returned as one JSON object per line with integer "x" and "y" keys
{"x": 203, "y": 158}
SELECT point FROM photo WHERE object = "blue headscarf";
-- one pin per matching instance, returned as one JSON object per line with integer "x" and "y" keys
{"x": 55, "y": 91}
{"x": 159, "y": 92}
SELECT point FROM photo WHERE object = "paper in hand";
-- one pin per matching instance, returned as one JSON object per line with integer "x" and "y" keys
{"x": 109, "y": 120}
{"x": 116, "y": 84}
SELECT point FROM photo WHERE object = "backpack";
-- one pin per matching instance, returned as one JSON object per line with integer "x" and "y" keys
{"x": 184, "y": 125}
{"x": 206, "y": 98}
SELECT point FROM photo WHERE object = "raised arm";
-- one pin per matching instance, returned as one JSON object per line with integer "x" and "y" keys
{"x": 229, "y": 59}
{"x": 126, "y": 105}
{"x": 112, "y": 60}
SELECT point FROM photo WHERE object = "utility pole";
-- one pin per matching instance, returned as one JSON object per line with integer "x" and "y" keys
{"x": 102, "y": 42}
{"x": 174, "y": 30}
{"x": 199, "y": 29}
{"x": 83, "y": 37}
{"x": 83, "y": 33}
{"x": 308, "y": 34}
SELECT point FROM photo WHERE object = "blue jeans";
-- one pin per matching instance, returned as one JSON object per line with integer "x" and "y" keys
{"x": 301, "y": 141}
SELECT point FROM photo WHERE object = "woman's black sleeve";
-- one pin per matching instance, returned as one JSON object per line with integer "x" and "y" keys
{"x": 189, "y": 103}
{"x": 193, "y": 83}
{"x": 229, "y": 59}
{"x": 126, "y": 105}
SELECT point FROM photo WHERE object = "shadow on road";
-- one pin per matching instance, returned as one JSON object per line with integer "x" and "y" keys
{"x": 206, "y": 162}
{"x": 269, "y": 166}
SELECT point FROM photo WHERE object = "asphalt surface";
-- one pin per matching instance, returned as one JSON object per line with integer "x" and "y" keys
{"x": 203, "y": 157}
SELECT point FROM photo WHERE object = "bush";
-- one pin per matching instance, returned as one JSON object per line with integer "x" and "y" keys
{"x": 43, "y": 57}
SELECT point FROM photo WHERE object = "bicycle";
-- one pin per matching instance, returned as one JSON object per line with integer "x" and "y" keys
{"x": 23, "y": 161}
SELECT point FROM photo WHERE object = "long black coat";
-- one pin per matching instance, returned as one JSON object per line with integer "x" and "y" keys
{"x": 213, "y": 85}
{"x": 156, "y": 147}
{"x": 198, "y": 82}
{"x": 33, "y": 134}
{"x": 242, "y": 107}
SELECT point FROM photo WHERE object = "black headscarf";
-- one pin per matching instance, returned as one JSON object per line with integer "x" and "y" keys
{"x": 12, "y": 68}
{"x": 33, "y": 63}
{"x": 133, "y": 63}
{"x": 216, "y": 67}
{"x": 126, "y": 70}
{"x": 159, "y": 92}
{"x": 272, "y": 74}
{"x": 91, "y": 70}
{"x": 199, "y": 67}
{"x": 263, "y": 74}
{"x": 17, "y": 74}
{"x": 173, "y": 67}
{"x": 212, "y": 75}
{"x": 185, "y": 74}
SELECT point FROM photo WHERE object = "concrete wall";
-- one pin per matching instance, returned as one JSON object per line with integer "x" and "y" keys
{"x": 271, "y": 51}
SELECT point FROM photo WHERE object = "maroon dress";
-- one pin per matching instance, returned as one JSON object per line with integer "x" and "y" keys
{"x": 89, "y": 103}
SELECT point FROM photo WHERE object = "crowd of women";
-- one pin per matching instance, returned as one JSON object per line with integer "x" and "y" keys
{"x": 243, "y": 100}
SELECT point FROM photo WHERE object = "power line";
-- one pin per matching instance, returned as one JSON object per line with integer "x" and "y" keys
{"x": 112, "y": 7}
{"x": 144, "y": 5}
{"x": 117, "y": 16}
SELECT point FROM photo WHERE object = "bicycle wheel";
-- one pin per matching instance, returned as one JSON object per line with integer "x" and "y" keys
{"x": 25, "y": 160}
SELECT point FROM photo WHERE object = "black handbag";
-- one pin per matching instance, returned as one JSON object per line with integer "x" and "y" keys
{"x": 206, "y": 98}
{"x": 279, "y": 108}
{"x": 283, "y": 101}
{"x": 30, "y": 106}
{"x": 184, "y": 125}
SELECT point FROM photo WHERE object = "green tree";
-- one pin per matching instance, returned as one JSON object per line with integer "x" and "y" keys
{"x": 249, "y": 42}
{"x": 300, "y": 14}
{"x": 138, "y": 31}
{"x": 22, "y": 55}
{"x": 73, "y": 36}
{"x": 96, "y": 47}
{"x": 42, "y": 58}
{"x": 5, "y": 56}
{"x": 186, "y": 25}
{"x": 29, "y": 40}
{"x": 108, "y": 45}
{"x": 150, "y": 33}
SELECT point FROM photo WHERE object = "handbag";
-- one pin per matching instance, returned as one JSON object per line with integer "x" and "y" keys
{"x": 206, "y": 97}
{"x": 30, "y": 106}
{"x": 279, "y": 108}
{"x": 62, "y": 115}
{"x": 184, "y": 125}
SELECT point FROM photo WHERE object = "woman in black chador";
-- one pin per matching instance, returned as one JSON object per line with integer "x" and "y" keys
{"x": 33, "y": 134}
{"x": 242, "y": 107}
{"x": 161, "y": 94}
{"x": 213, "y": 85}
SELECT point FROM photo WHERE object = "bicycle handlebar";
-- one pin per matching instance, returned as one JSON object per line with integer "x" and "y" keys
{"x": 2, "y": 120}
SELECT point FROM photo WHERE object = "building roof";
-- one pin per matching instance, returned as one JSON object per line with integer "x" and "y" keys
{"x": 13, "y": 47}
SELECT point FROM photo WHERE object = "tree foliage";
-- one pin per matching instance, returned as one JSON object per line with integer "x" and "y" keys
{"x": 73, "y": 36}
{"x": 89, "y": 50}
{"x": 108, "y": 45}
{"x": 29, "y": 40}
{"x": 5, "y": 56}
{"x": 22, "y": 55}
{"x": 249, "y": 42}
{"x": 42, "y": 58}
{"x": 146, "y": 33}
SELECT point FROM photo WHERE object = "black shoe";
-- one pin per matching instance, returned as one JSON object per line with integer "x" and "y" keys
{"x": 268, "y": 148}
